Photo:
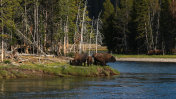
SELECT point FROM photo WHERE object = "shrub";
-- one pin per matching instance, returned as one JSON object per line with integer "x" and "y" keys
{"x": 7, "y": 62}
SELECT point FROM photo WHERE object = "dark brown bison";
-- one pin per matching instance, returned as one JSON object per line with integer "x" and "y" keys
{"x": 80, "y": 59}
{"x": 103, "y": 58}
{"x": 89, "y": 60}
{"x": 73, "y": 62}
{"x": 155, "y": 52}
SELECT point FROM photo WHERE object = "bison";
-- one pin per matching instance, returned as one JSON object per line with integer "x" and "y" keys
{"x": 80, "y": 59}
{"x": 73, "y": 62}
{"x": 155, "y": 52}
{"x": 103, "y": 58}
{"x": 89, "y": 60}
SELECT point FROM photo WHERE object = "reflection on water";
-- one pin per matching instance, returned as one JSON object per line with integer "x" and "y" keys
{"x": 137, "y": 80}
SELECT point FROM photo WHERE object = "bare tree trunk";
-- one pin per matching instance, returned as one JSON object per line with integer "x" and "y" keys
{"x": 25, "y": 11}
{"x": 157, "y": 31}
{"x": 90, "y": 42}
{"x": 66, "y": 37}
{"x": 37, "y": 24}
{"x": 163, "y": 47}
{"x": 26, "y": 27}
{"x": 64, "y": 46}
{"x": 76, "y": 28}
{"x": 146, "y": 36}
{"x": 2, "y": 42}
{"x": 97, "y": 36}
{"x": 90, "y": 38}
{"x": 82, "y": 28}
{"x": 46, "y": 25}
{"x": 97, "y": 32}
{"x": 151, "y": 44}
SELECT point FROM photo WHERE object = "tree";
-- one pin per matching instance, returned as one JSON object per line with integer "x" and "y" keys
{"x": 173, "y": 12}
{"x": 123, "y": 11}
{"x": 154, "y": 22}
{"x": 8, "y": 9}
{"x": 108, "y": 11}
{"x": 166, "y": 27}
{"x": 173, "y": 8}
{"x": 142, "y": 21}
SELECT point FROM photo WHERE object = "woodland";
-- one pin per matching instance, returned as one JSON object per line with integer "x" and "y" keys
{"x": 60, "y": 27}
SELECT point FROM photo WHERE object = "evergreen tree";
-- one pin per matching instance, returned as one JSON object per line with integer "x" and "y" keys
{"x": 173, "y": 12}
{"x": 142, "y": 20}
{"x": 107, "y": 19}
{"x": 117, "y": 39}
{"x": 166, "y": 27}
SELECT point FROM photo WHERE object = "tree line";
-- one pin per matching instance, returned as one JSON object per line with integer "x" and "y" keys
{"x": 138, "y": 26}
{"x": 62, "y": 26}
{"x": 47, "y": 26}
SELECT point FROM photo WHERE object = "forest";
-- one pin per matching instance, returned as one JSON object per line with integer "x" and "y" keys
{"x": 47, "y": 27}
{"x": 63, "y": 26}
{"x": 140, "y": 26}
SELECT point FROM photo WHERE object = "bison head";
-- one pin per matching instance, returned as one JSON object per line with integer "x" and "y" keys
{"x": 112, "y": 59}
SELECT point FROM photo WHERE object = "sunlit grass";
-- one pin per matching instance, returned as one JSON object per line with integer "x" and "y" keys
{"x": 54, "y": 69}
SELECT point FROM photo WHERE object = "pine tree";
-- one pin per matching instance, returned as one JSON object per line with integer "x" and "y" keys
{"x": 107, "y": 19}
{"x": 108, "y": 10}
{"x": 8, "y": 9}
{"x": 173, "y": 12}
{"x": 124, "y": 11}
{"x": 142, "y": 20}
{"x": 166, "y": 27}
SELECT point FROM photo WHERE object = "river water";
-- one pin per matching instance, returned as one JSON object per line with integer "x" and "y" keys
{"x": 138, "y": 80}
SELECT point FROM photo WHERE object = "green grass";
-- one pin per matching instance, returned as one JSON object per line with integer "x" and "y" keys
{"x": 144, "y": 56}
{"x": 54, "y": 69}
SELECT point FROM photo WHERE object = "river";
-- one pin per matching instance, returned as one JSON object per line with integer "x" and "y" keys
{"x": 138, "y": 80}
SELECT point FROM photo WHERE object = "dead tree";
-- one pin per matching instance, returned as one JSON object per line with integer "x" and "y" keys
{"x": 90, "y": 37}
{"x": 2, "y": 32}
{"x": 82, "y": 27}
{"x": 97, "y": 33}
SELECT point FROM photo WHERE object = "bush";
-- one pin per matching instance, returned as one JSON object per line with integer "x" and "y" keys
{"x": 7, "y": 62}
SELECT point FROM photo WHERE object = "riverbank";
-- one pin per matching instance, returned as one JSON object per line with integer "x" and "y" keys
{"x": 53, "y": 70}
{"x": 146, "y": 58}
{"x": 166, "y": 60}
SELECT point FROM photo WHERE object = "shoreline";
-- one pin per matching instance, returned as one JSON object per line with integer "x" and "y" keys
{"x": 161, "y": 60}
{"x": 8, "y": 71}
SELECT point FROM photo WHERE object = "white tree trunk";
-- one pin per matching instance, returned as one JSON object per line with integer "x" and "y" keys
{"x": 97, "y": 36}
{"x": 82, "y": 28}
{"x": 97, "y": 32}
{"x": 157, "y": 31}
{"x": 37, "y": 24}
{"x": 2, "y": 42}
{"x": 90, "y": 38}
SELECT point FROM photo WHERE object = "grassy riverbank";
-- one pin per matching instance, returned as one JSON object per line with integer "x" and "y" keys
{"x": 53, "y": 70}
{"x": 144, "y": 56}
